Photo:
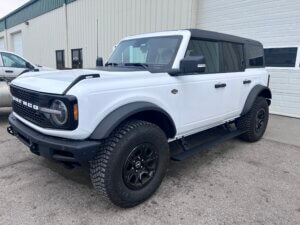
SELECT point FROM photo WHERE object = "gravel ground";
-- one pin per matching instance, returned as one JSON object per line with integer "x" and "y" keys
{"x": 232, "y": 183}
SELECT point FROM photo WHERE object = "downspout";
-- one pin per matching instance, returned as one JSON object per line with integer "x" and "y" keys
{"x": 67, "y": 36}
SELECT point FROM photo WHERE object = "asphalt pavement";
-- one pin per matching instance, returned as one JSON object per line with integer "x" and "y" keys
{"x": 231, "y": 183}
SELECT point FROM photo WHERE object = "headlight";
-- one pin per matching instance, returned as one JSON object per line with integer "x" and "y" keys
{"x": 60, "y": 113}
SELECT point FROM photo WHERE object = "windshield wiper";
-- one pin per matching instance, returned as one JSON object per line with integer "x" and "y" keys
{"x": 111, "y": 64}
{"x": 144, "y": 65}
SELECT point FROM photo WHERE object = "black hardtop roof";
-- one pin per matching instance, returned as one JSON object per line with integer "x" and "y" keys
{"x": 198, "y": 33}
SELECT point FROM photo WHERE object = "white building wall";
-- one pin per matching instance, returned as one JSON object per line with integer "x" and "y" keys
{"x": 2, "y": 41}
{"x": 75, "y": 26}
{"x": 41, "y": 37}
{"x": 117, "y": 19}
{"x": 275, "y": 23}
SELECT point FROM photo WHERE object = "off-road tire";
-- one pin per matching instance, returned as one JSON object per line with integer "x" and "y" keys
{"x": 106, "y": 170}
{"x": 248, "y": 123}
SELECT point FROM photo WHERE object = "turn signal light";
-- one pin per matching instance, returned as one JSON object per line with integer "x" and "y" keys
{"x": 75, "y": 112}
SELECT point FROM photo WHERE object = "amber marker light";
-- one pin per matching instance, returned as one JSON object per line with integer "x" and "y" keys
{"x": 75, "y": 112}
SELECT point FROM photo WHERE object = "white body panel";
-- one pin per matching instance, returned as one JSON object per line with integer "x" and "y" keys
{"x": 197, "y": 106}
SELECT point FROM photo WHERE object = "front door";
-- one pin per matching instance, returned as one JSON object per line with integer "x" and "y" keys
{"x": 13, "y": 65}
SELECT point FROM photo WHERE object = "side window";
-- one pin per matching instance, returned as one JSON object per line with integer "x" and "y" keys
{"x": 60, "y": 59}
{"x": 10, "y": 60}
{"x": 255, "y": 55}
{"x": 210, "y": 50}
{"x": 280, "y": 57}
{"x": 76, "y": 58}
{"x": 233, "y": 57}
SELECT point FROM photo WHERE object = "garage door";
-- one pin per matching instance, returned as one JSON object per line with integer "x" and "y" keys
{"x": 17, "y": 43}
{"x": 1, "y": 43}
{"x": 283, "y": 67}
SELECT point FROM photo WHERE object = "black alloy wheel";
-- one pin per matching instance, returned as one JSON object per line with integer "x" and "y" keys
{"x": 140, "y": 166}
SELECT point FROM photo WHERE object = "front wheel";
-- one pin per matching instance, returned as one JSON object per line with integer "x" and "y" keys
{"x": 255, "y": 122}
{"x": 131, "y": 163}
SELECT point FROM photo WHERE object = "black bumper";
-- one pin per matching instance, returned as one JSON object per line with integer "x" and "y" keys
{"x": 59, "y": 149}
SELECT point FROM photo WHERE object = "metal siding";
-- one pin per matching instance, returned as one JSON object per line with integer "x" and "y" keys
{"x": 120, "y": 18}
{"x": 2, "y": 43}
{"x": 31, "y": 10}
{"x": 41, "y": 39}
{"x": 34, "y": 10}
{"x": 268, "y": 21}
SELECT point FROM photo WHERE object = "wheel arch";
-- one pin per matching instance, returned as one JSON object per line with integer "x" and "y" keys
{"x": 138, "y": 110}
{"x": 257, "y": 91}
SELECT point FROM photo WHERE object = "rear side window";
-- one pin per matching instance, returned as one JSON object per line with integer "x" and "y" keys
{"x": 256, "y": 55}
{"x": 233, "y": 57}
{"x": 280, "y": 57}
{"x": 210, "y": 50}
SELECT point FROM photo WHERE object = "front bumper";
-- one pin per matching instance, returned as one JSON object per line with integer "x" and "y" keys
{"x": 59, "y": 149}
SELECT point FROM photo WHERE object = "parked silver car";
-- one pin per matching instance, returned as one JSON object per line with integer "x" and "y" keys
{"x": 12, "y": 66}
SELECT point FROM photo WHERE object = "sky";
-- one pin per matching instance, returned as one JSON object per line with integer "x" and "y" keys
{"x": 6, "y": 6}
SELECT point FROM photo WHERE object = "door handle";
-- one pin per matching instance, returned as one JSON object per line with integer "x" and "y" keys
{"x": 220, "y": 85}
{"x": 9, "y": 71}
{"x": 247, "y": 81}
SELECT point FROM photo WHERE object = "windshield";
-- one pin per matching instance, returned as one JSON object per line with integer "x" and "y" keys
{"x": 154, "y": 52}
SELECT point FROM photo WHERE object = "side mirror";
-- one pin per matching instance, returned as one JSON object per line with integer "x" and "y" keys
{"x": 192, "y": 64}
{"x": 99, "y": 62}
{"x": 29, "y": 66}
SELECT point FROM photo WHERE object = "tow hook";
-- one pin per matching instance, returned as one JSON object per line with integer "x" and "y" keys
{"x": 10, "y": 130}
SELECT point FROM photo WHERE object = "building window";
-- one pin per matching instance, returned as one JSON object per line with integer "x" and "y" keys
{"x": 233, "y": 57}
{"x": 280, "y": 57}
{"x": 76, "y": 58}
{"x": 210, "y": 50}
{"x": 60, "y": 59}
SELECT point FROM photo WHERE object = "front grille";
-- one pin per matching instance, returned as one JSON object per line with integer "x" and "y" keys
{"x": 25, "y": 95}
{"x": 26, "y": 112}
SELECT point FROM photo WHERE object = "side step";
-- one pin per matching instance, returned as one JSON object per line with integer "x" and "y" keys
{"x": 207, "y": 139}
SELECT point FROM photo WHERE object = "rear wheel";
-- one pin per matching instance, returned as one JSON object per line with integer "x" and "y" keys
{"x": 131, "y": 163}
{"x": 255, "y": 122}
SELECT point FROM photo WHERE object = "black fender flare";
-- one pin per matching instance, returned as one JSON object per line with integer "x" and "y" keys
{"x": 258, "y": 90}
{"x": 119, "y": 115}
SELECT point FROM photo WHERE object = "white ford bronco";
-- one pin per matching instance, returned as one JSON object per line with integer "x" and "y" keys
{"x": 155, "y": 89}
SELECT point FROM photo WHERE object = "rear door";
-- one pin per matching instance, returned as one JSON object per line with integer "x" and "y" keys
{"x": 13, "y": 65}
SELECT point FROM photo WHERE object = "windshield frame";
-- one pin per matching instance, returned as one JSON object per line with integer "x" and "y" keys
{"x": 152, "y": 67}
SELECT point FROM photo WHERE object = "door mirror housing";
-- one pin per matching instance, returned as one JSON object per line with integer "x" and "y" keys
{"x": 99, "y": 62}
{"x": 190, "y": 65}
{"x": 29, "y": 66}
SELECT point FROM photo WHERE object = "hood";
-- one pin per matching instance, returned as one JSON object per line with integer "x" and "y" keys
{"x": 53, "y": 82}
{"x": 57, "y": 82}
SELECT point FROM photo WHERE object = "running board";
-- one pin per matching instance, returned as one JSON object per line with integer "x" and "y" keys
{"x": 209, "y": 139}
